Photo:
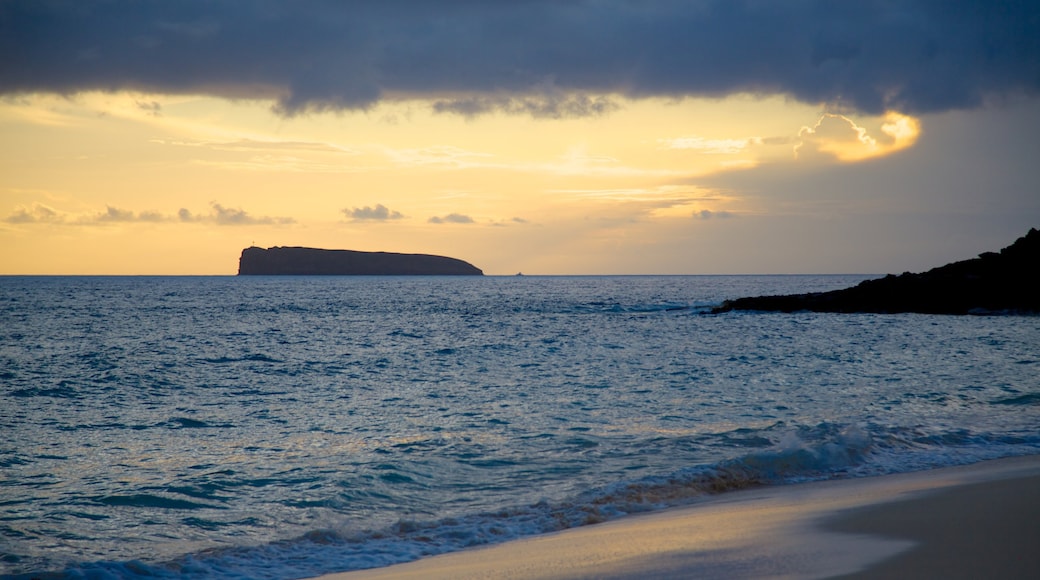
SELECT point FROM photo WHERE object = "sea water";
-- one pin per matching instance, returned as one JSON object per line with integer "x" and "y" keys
{"x": 284, "y": 427}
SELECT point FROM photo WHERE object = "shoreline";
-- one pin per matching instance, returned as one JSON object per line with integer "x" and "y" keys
{"x": 938, "y": 522}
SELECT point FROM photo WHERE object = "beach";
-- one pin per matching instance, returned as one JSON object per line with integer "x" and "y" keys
{"x": 956, "y": 522}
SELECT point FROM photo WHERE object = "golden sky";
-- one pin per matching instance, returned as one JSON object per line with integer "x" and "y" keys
{"x": 129, "y": 183}
{"x": 549, "y": 177}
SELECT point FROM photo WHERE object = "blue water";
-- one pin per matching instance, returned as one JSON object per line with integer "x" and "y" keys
{"x": 285, "y": 427}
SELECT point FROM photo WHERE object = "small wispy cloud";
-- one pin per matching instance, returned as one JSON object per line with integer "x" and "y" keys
{"x": 439, "y": 155}
{"x": 257, "y": 145}
{"x": 514, "y": 221}
{"x": 115, "y": 214}
{"x": 219, "y": 214}
{"x": 710, "y": 146}
{"x": 452, "y": 218}
{"x": 232, "y": 216}
{"x": 274, "y": 155}
{"x": 707, "y": 214}
{"x": 378, "y": 213}
{"x": 152, "y": 108}
{"x": 35, "y": 214}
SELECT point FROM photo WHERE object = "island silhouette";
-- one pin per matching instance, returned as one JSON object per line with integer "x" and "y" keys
{"x": 298, "y": 261}
{"x": 995, "y": 282}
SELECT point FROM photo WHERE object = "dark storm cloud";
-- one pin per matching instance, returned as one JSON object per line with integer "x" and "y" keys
{"x": 553, "y": 105}
{"x": 539, "y": 57}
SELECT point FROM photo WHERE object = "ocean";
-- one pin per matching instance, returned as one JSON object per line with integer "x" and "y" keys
{"x": 285, "y": 427}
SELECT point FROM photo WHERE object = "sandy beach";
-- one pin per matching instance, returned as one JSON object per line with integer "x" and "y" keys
{"x": 960, "y": 522}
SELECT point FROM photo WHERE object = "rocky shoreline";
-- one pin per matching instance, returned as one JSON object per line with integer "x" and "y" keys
{"x": 995, "y": 282}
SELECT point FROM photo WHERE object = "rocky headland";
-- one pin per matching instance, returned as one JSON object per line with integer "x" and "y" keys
{"x": 995, "y": 282}
{"x": 296, "y": 261}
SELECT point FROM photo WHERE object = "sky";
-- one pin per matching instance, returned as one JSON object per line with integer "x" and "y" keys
{"x": 564, "y": 137}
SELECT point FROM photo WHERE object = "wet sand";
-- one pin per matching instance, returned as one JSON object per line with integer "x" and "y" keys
{"x": 983, "y": 530}
{"x": 981, "y": 520}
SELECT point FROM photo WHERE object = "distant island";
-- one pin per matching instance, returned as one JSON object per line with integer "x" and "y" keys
{"x": 1008, "y": 281}
{"x": 296, "y": 261}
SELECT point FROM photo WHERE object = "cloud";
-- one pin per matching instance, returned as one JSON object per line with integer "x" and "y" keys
{"x": 114, "y": 214}
{"x": 273, "y": 155}
{"x": 538, "y": 57}
{"x": 707, "y": 214}
{"x": 830, "y": 136}
{"x": 378, "y": 213}
{"x": 227, "y": 216}
{"x": 254, "y": 145}
{"x": 711, "y": 146}
{"x": 220, "y": 215}
{"x": 38, "y": 213}
{"x": 922, "y": 181}
{"x": 554, "y": 105}
{"x": 42, "y": 214}
{"x": 452, "y": 218}
{"x": 838, "y": 137}
{"x": 514, "y": 221}
{"x": 152, "y": 108}
{"x": 443, "y": 155}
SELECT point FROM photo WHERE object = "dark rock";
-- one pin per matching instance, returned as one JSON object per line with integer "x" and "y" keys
{"x": 312, "y": 261}
{"x": 1008, "y": 281}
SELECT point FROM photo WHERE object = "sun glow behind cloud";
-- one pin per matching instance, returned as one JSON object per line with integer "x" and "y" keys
{"x": 845, "y": 140}
{"x": 903, "y": 130}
